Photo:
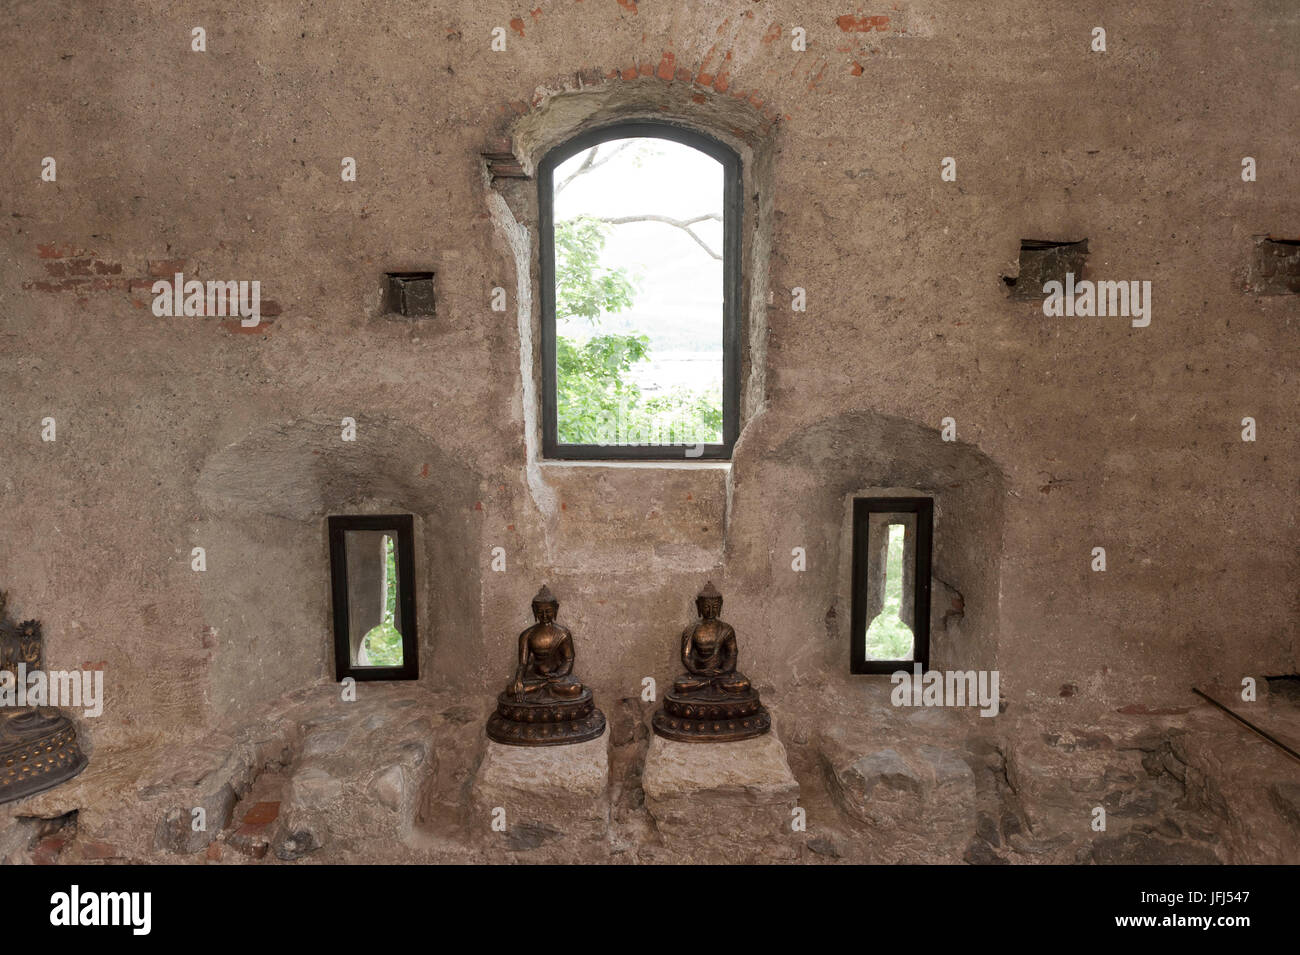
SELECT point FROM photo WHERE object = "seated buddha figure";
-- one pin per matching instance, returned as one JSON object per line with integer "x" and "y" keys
{"x": 712, "y": 701}
{"x": 545, "y": 654}
{"x": 545, "y": 704}
{"x": 38, "y": 744}
{"x": 709, "y": 650}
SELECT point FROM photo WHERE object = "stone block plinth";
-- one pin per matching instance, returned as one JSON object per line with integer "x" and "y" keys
{"x": 549, "y": 793}
{"x": 722, "y": 801}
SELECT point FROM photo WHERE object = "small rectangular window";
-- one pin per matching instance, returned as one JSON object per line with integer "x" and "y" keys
{"x": 372, "y": 573}
{"x": 891, "y": 583}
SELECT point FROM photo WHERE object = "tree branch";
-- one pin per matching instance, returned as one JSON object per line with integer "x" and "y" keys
{"x": 683, "y": 224}
{"x": 588, "y": 162}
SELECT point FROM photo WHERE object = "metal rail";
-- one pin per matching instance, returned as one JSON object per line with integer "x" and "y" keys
{"x": 1245, "y": 722}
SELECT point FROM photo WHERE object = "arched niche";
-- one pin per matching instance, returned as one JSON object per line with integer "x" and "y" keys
{"x": 267, "y": 497}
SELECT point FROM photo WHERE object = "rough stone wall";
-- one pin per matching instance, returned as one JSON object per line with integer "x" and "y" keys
{"x": 1072, "y": 433}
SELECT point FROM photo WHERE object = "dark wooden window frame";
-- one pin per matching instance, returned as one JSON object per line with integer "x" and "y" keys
{"x": 731, "y": 293}
{"x": 863, "y": 508}
{"x": 402, "y": 527}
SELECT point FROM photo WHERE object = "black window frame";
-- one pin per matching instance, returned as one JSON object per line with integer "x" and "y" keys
{"x": 731, "y": 293}
{"x": 402, "y": 528}
{"x": 863, "y": 508}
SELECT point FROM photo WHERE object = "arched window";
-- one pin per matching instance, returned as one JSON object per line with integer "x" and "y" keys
{"x": 640, "y": 286}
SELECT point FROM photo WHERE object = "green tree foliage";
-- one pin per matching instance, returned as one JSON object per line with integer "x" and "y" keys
{"x": 383, "y": 642}
{"x": 597, "y": 402}
{"x": 888, "y": 638}
{"x": 593, "y": 386}
{"x": 583, "y": 287}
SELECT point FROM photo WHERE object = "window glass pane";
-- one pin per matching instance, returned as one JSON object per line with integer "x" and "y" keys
{"x": 374, "y": 623}
{"x": 890, "y": 592}
{"x": 639, "y": 294}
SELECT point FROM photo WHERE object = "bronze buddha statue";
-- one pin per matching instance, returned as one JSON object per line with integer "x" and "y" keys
{"x": 38, "y": 744}
{"x": 545, "y": 704}
{"x": 711, "y": 701}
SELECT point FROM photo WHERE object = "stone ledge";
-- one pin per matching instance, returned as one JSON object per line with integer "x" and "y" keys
{"x": 722, "y": 801}
{"x": 548, "y": 792}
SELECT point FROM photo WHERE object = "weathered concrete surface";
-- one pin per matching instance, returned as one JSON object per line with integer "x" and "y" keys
{"x": 1072, "y": 433}
{"x": 722, "y": 800}
{"x": 404, "y": 775}
{"x": 547, "y": 792}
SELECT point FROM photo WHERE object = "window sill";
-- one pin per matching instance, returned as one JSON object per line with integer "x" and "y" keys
{"x": 560, "y": 463}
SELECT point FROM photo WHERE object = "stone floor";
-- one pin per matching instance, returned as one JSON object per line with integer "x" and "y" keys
{"x": 392, "y": 778}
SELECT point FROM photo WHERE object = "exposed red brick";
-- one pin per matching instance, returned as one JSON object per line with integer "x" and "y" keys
{"x": 722, "y": 82}
{"x": 628, "y": 5}
{"x": 647, "y": 69}
{"x": 772, "y": 33}
{"x": 214, "y": 852}
{"x": 77, "y": 285}
{"x": 666, "y": 66}
{"x": 48, "y": 849}
{"x": 629, "y": 73}
{"x": 536, "y": 14}
{"x": 251, "y": 841}
{"x": 851, "y": 24}
{"x": 62, "y": 267}
{"x": 262, "y": 813}
{"x": 166, "y": 268}
{"x": 98, "y": 850}
{"x": 856, "y": 69}
{"x": 683, "y": 75}
{"x": 53, "y": 250}
{"x": 704, "y": 79}
{"x": 517, "y": 25}
{"x": 699, "y": 98}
